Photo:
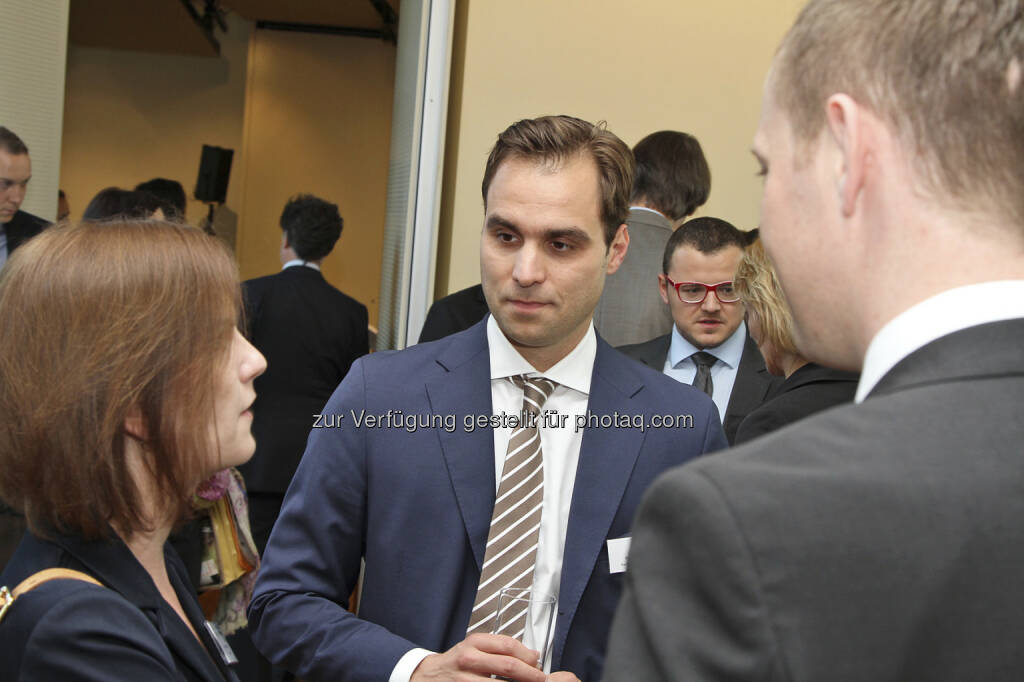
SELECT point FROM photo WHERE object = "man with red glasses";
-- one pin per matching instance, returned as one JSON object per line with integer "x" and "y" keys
{"x": 709, "y": 346}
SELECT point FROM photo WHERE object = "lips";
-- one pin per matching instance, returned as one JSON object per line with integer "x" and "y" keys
{"x": 526, "y": 305}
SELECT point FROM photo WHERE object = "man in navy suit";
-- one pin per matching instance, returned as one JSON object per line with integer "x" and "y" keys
{"x": 403, "y": 469}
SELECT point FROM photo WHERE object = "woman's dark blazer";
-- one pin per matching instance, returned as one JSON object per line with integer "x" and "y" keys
{"x": 810, "y": 389}
{"x": 73, "y": 630}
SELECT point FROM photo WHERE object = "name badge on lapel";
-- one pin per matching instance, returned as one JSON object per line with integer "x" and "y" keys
{"x": 618, "y": 553}
{"x": 223, "y": 648}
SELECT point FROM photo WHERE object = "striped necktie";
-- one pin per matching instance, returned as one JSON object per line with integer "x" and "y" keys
{"x": 511, "y": 552}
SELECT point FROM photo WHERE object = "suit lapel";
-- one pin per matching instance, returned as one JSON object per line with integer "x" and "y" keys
{"x": 465, "y": 389}
{"x": 607, "y": 457}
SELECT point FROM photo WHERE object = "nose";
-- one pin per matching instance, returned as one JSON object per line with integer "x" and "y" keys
{"x": 253, "y": 362}
{"x": 711, "y": 303}
{"x": 529, "y": 268}
{"x": 17, "y": 193}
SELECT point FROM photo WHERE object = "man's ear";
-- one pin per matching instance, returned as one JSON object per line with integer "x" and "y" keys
{"x": 848, "y": 127}
{"x": 134, "y": 424}
{"x": 663, "y": 287}
{"x": 617, "y": 249}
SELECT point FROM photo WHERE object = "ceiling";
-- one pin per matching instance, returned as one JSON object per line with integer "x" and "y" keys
{"x": 168, "y": 26}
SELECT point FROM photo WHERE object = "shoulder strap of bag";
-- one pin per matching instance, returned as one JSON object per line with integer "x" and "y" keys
{"x": 7, "y": 597}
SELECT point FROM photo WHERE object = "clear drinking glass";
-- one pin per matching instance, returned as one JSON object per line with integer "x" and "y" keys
{"x": 539, "y": 610}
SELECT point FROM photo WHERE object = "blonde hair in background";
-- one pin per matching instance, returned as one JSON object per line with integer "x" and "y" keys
{"x": 759, "y": 288}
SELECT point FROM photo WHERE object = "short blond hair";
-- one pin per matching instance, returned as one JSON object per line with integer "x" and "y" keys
{"x": 759, "y": 288}
{"x": 948, "y": 75}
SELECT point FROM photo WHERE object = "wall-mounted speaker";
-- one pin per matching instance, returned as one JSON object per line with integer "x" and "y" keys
{"x": 214, "y": 172}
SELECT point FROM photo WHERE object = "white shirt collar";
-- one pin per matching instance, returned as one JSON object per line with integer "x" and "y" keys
{"x": 942, "y": 314}
{"x": 299, "y": 261}
{"x": 729, "y": 351}
{"x": 573, "y": 371}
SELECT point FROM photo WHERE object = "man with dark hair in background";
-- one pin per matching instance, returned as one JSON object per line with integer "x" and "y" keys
{"x": 879, "y": 540}
{"x": 311, "y": 333}
{"x": 672, "y": 181}
{"x": 170, "y": 192}
{"x": 422, "y": 468}
{"x": 16, "y": 226}
{"x": 708, "y": 346}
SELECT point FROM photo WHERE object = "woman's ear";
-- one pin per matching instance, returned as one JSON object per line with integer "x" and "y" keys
{"x": 134, "y": 424}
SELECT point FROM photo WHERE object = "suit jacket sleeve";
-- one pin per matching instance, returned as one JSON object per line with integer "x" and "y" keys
{"x": 298, "y": 613}
{"x": 692, "y": 607}
{"x": 758, "y": 423}
{"x": 84, "y": 633}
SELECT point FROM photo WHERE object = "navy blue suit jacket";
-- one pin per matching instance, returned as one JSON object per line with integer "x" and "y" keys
{"x": 417, "y": 503}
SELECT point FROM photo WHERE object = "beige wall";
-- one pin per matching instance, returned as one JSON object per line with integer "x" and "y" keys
{"x": 34, "y": 57}
{"x": 318, "y": 120}
{"x": 641, "y": 66}
{"x": 304, "y": 113}
{"x": 131, "y": 116}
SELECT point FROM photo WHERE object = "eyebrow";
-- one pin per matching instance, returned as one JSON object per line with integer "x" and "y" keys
{"x": 496, "y": 221}
{"x": 572, "y": 233}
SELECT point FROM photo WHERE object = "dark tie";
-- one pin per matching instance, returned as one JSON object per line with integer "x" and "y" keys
{"x": 511, "y": 551}
{"x": 703, "y": 379}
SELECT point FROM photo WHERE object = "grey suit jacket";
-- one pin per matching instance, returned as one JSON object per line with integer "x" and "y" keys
{"x": 879, "y": 541}
{"x": 630, "y": 309}
{"x": 751, "y": 389}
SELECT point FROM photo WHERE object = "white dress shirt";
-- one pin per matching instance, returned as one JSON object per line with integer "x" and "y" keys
{"x": 942, "y": 314}
{"x": 560, "y": 442}
{"x": 680, "y": 366}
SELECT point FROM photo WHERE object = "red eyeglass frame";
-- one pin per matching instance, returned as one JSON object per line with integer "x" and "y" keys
{"x": 708, "y": 288}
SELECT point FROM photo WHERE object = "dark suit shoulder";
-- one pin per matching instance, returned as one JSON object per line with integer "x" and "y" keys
{"x": 809, "y": 390}
{"x": 454, "y": 313}
{"x": 651, "y": 353}
{"x": 30, "y": 221}
{"x": 304, "y": 281}
{"x": 22, "y": 227}
{"x": 429, "y": 358}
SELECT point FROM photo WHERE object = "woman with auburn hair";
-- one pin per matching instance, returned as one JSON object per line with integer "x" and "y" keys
{"x": 808, "y": 387}
{"x": 124, "y": 383}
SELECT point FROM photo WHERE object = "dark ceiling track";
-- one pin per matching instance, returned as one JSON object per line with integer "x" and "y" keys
{"x": 387, "y": 14}
{"x": 352, "y": 31}
{"x": 212, "y": 14}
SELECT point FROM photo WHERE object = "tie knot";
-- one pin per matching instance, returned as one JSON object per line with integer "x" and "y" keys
{"x": 536, "y": 391}
{"x": 702, "y": 359}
